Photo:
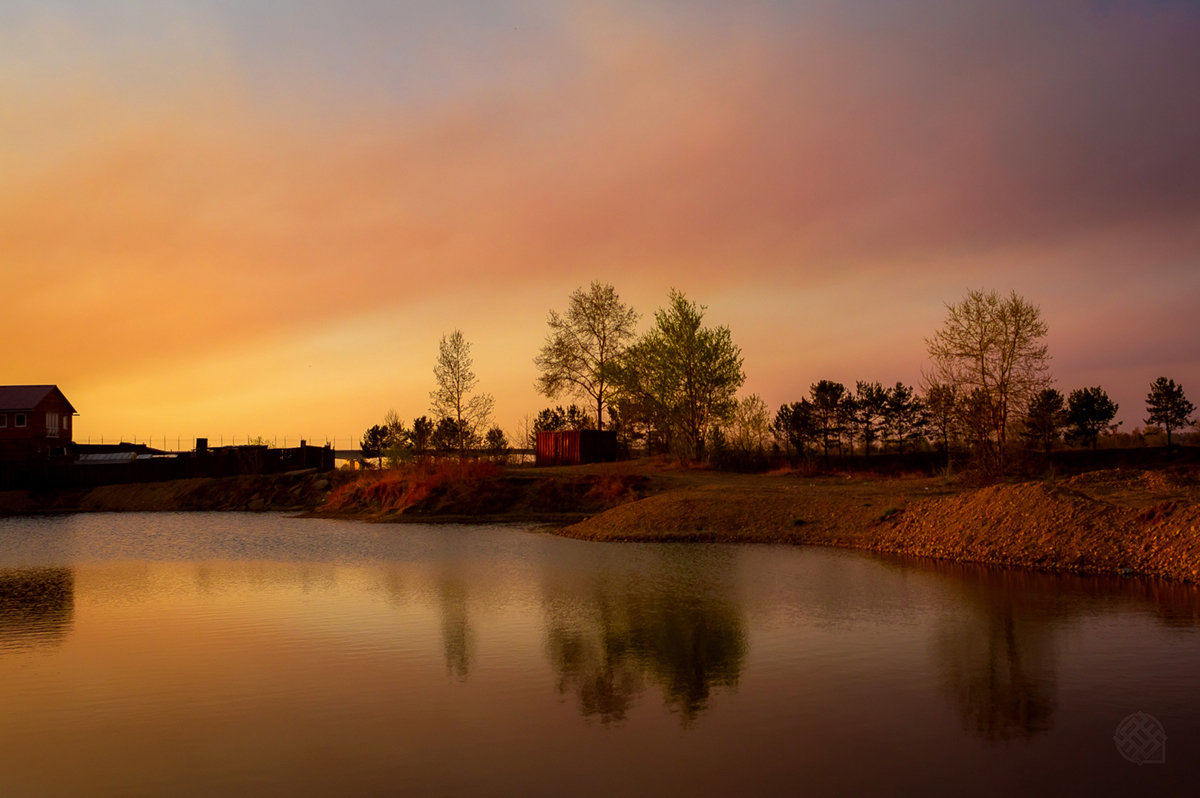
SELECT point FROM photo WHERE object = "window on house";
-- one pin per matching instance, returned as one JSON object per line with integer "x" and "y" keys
{"x": 20, "y": 420}
{"x": 52, "y": 425}
{"x": 66, "y": 422}
{"x": 3, "y": 419}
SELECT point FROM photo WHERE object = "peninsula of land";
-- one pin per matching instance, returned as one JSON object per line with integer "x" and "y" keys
{"x": 1118, "y": 521}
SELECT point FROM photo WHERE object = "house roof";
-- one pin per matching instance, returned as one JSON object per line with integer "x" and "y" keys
{"x": 27, "y": 397}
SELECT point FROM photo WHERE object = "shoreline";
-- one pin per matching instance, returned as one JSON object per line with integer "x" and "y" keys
{"x": 1124, "y": 522}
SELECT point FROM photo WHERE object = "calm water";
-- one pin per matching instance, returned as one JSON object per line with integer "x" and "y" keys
{"x": 228, "y": 654}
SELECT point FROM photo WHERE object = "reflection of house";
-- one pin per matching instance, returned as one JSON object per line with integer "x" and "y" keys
{"x": 35, "y": 422}
{"x": 37, "y": 606}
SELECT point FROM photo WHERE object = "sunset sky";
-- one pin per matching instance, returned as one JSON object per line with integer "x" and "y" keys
{"x": 232, "y": 217}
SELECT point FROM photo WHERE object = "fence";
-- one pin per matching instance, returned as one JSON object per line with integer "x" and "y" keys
{"x": 187, "y": 443}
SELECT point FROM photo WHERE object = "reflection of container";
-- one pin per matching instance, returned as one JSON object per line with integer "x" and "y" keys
{"x": 575, "y": 446}
{"x": 36, "y": 606}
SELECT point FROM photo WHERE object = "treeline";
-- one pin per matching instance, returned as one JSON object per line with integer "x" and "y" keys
{"x": 987, "y": 393}
{"x": 393, "y": 442}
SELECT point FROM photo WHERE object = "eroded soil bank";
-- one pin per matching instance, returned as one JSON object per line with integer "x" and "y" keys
{"x": 1116, "y": 521}
{"x": 1103, "y": 522}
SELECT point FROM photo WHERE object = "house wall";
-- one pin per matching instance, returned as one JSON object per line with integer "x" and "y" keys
{"x": 37, "y": 438}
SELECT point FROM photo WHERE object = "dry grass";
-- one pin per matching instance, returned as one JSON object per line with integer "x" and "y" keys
{"x": 396, "y": 490}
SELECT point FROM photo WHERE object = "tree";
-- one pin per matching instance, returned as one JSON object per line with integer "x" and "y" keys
{"x": 576, "y": 418}
{"x": 992, "y": 350}
{"x": 497, "y": 443}
{"x": 550, "y": 419}
{"x": 397, "y": 444}
{"x": 829, "y": 403}
{"x": 942, "y": 403}
{"x": 583, "y": 345}
{"x": 1090, "y": 412}
{"x": 683, "y": 375}
{"x": 421, "y": 434}
{"x": 394, "y": 427}
{"x": 1045, "y": 418}
{"x": 373, "y": 442}
{"x": 904, "y": 415}
{"x": 449, "y": 435}
{"x": 869, "y": 408}
{"x": 454, "y": 397}
{"x": 796, "y": 425}
{"x": 1168, "y": 406}
{"x": 828, "y": 399}
{"x": 749, "y": 425}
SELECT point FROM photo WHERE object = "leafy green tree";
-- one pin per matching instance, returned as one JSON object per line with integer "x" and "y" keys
{"x": 683, "y": 373}
{"x": 581, "y": 351}
{"x": 869, "y": 408}
{"x": 992, "y": 350}
{"x": 796, "y": 425}
{"x": 641, "y": 399}
{"x": 1090, "y": 412}
{"x": 455, "y": 395}
{"x": 828, "y": 401}
{"x": 1168, "y": 407}
{"x": 1045, "y": 418}
{"x": 905, "y": 415}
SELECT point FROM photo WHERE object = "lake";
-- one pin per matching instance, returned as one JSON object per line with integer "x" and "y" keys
{"x": 238, "y": 654}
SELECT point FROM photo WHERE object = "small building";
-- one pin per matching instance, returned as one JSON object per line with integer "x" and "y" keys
{"x": 35, "y": 422}
{"x": 576, "y": 446}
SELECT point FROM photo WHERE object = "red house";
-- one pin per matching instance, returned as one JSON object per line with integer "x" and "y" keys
{"x": 35, "y": 422}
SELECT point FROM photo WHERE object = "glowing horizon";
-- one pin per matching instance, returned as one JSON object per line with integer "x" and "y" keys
{"x": 223, "y": 219}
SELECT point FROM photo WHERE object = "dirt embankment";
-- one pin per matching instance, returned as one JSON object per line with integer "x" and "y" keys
{"x": 1116, "y": 521}
{"x": 1105, "y": 522}
{"x": 293, "y": 491}
{"x": 479, "y": 492}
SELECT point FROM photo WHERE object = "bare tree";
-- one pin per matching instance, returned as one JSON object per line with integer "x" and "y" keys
{"x": 583, "y": 344}
{"x": 454, "y": 397}
{"x": 992, "y": 349}
{"x": 749, "y": 425}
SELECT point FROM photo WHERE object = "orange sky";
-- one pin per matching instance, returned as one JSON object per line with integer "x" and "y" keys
{"x": 227, "y": 219}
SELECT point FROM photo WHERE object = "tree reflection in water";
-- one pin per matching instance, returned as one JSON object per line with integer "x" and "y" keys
{"x": 457, "y": 637}
{"x": 37, "y": 607}
{"x": 999, "y": 669}
{"x": 674, "y": 623}
{"x": 998, "y": 661}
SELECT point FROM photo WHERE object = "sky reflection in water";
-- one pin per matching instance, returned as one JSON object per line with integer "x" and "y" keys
{"x": 205, "y": 653}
